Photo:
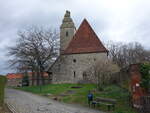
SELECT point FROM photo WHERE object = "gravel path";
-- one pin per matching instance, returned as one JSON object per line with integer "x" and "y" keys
{"x": 23, "y": 102}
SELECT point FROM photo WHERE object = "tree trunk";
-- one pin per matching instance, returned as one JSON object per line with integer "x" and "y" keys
{"x": 37, "y": 78}
{"x": 33, "y": 77}
{"x": 42, "y": 77}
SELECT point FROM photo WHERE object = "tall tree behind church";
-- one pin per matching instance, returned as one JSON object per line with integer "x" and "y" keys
{"x": 125, "y": 54}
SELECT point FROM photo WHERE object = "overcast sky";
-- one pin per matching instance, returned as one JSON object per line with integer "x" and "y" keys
{"x": 117, "y": 20}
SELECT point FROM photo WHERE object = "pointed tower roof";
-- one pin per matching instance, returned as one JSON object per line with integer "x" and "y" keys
{"x": 85, "y": 41}
{"x": 67, "y": 21}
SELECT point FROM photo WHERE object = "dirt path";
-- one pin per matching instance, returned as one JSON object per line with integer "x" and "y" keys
{"x": 23, "y": 102}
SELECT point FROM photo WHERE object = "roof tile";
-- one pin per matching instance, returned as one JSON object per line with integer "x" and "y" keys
{"x": 85, "y": 41}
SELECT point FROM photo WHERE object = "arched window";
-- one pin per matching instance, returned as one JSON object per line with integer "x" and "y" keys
{"x": 74, "y": 74}
{"x": 67, "y": 33}
{"x": 84, "y": 75}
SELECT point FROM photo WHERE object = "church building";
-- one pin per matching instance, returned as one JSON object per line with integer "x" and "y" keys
{"x": 79, "y": 50}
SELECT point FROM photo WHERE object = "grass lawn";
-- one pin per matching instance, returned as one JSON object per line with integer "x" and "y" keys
{"x": 2, "y": 85}
{"x": 66, "y": 94}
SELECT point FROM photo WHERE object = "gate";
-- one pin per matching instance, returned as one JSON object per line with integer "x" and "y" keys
{"x": 145, "y": 104}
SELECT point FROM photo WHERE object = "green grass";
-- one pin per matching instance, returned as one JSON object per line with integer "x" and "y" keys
{"x": 79, "y": 95}
{"x": 2, "y": 85}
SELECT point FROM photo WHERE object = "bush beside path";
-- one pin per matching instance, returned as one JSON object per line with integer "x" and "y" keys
{"x": 3, "y": 106}
{"x": 2, "y": 86}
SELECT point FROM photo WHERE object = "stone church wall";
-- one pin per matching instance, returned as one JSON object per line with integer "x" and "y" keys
{"x": 70, "y": 68}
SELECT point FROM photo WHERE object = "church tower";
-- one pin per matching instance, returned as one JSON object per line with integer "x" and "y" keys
{"x": 67, "y": 30}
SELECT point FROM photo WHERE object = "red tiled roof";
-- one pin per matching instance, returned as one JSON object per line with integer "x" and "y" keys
{"x": 19, "y": 75}
{"x": 85, "y": 41}
{"x": 14, "y": 76}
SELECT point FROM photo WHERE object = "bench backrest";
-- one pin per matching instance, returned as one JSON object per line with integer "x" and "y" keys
{"x": 113, "y": 101}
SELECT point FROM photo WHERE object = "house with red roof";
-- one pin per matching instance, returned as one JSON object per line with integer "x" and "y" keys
{"x": 79, "y": 50}
{"x": 15, "y": 79}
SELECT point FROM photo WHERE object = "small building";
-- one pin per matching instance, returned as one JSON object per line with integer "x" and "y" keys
{"x": 15, "y": 79}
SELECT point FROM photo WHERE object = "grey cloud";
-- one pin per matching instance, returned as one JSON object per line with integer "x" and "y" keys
{"x": 115, "y": 20}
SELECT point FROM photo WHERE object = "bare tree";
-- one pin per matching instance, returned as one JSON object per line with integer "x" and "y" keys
{"x": 102, "y": 72}
{"x": 126, "y": 54}
{"x": 34, "y": 50}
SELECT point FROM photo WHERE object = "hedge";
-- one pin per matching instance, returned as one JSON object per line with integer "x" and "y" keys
{"x": 145, "y": 71}
{"x": 2, "y": 85}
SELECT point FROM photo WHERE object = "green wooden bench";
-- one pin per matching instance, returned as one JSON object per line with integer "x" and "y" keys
{"x": 110, "y": 103}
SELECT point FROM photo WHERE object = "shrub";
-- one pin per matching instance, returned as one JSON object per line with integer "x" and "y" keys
{"x": 2, "y": 85}
{"x": 25, "y": 81}
{"x": 145, "y": 71}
